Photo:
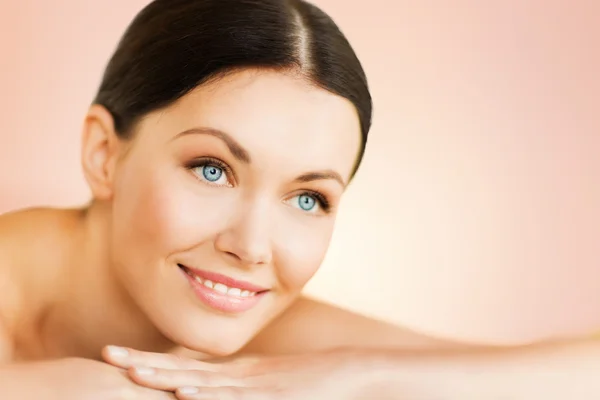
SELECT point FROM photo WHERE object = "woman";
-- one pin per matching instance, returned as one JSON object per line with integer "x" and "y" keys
{"x": 217, "y": 151}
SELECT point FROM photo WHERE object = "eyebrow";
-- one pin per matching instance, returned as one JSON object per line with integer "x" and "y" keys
{"x": 320, "y": 175}
{"x": 238, "y": 151}
{"x": 241, "y": 154}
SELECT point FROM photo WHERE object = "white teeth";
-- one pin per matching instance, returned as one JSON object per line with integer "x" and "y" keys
{"x": 219, "y": 287}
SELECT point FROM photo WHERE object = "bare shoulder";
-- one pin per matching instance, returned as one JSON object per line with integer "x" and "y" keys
{"x": 27, "y": 239}
{"x": 13, "y": 252}
{"x": 10, "y": 290}
{"x": 313, "y": 325}
{"x": 15, "y": 224}
{"x": 25, "y": 235}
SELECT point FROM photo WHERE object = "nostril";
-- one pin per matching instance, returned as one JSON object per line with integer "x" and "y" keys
{"x": 232, "y": 254}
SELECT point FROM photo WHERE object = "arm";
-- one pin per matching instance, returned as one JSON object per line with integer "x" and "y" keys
{"x": 434, "y": 368}
{"x": 70, "y": 379}
{"x": 310, "y": 326}
{"x": 553, "y": 371}
{"x": 556, "y": 371}
{"x": 375, "y": 360}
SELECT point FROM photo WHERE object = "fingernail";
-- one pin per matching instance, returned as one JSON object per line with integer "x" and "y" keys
{"x": 115, "y": 351}
{"x": 188, "y": 390}
{"x": 144, "y": 371}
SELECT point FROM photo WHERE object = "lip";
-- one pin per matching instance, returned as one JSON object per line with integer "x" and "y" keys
{"x": 225, "y": 280}
{"x": 222, "y": 302}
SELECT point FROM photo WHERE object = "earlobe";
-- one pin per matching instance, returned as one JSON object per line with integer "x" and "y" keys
{"x": 99, "y": 151}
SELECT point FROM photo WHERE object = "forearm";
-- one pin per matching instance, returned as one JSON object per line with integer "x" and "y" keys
{"x": 544, "y": 372}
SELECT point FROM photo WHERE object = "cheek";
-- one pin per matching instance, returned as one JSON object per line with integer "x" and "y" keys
{"x": 158, "y": 214}
{"x": 301, "y": 251}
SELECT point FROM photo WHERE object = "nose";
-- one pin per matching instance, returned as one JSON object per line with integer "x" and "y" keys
{"x": 247, "y": 237}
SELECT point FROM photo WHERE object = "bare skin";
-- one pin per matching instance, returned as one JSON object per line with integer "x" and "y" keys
{"x": 413, "y": 365}
{"x": 44, "y": 318}
{"x": 36, "y": 291}
{"x": 248, "y": 204}
{"x": 242, "y": 177}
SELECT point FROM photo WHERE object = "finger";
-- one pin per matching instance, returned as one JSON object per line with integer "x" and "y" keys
{"x": 225, "y": 393}
{"x": 125, "y": 357}
{"x": 147, "y": 394}
{"x": 170, "y": 379}
{"x": 134, "y": 392}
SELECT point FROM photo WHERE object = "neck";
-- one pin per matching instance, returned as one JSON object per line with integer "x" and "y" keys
{"x": 93, "y": 309}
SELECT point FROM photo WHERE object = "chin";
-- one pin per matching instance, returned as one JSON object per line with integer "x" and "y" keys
{"x": 208, "y": 335}
{"x": 186, "y": 323}
{"x": 185, "y": 315}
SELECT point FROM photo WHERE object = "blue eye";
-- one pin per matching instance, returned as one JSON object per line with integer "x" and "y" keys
{"x": 212, "y": 173}
{"x": 306, "y": 202}
{"x": 311, "y": 202}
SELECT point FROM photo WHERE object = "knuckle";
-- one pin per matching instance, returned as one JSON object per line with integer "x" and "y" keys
{"x": 209, "y": 379}
{"x": 176, "y": 359}
{"x": 204, "y": 379}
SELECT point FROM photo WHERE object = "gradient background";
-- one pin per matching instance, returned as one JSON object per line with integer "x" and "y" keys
{"x": 476, "y": 214}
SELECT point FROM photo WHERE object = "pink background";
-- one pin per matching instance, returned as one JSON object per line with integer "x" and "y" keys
{"x": 476, "y": 214}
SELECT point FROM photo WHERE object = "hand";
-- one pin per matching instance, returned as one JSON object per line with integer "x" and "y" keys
{"x": 74, "y": 379}
{"x": 336, "y": 375}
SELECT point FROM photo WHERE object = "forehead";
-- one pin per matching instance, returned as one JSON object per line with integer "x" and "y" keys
{"x": 279, "y": 118}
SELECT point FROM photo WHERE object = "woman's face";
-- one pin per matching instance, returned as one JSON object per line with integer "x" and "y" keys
{"x": 224, "y": 204}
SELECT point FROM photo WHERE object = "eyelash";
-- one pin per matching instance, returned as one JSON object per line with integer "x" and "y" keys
{"x": 207, "y": 161}
{"x": 321, "y": 199}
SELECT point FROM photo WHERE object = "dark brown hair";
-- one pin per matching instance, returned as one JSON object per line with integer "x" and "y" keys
{"x": 173, "y": 46}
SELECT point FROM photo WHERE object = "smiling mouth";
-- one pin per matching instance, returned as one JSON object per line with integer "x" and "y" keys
{"x": 221, "y": 284}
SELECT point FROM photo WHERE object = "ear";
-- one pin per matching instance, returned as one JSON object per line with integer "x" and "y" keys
{"x": 100, "y": 151}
